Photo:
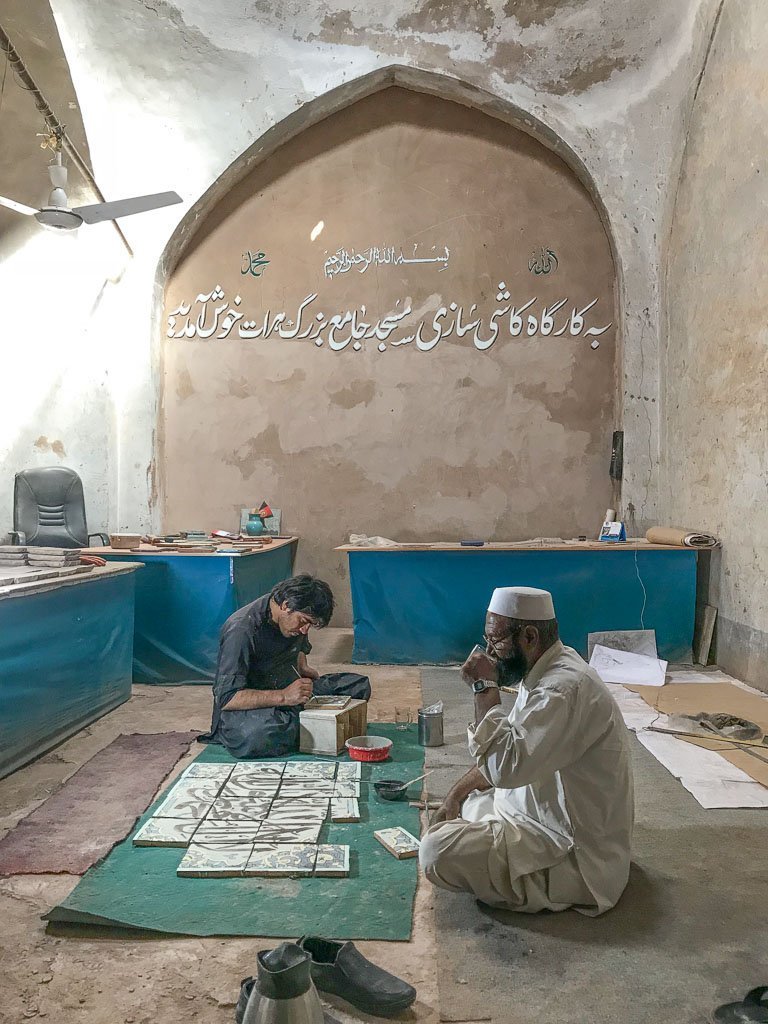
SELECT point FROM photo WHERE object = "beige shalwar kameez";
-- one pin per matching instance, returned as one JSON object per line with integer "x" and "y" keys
{"x": 555, "y": 830}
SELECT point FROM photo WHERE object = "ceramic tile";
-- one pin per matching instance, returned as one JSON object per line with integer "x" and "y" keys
{"x": 349, "y": 771}
{"x": 190, "y": 798}
{"x": 345, "y": 809}
{"x": 280, "y": 860}
{"x": 290, "y": 831}
{"x": 327, "y": 702}
{"x": 347, "y": 790}
{"x": 247, "y": 786}
{"x": 215, "y": 860}
{"x": 332, "y": 861}
{"x": 217, "y": 772}
{"x": 398, "y": 841}
{"x": 214, "y": 830}
{"x": 165, "y": 832}
{"x": 266, "y": 769}
{"x": 298, "y": 810}
{"x": 310, "y": 770}
{"x": 302, "y": 790}
{"x": 239, "y": 810}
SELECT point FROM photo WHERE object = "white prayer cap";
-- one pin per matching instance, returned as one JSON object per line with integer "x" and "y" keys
{"x": 526, "y": 603}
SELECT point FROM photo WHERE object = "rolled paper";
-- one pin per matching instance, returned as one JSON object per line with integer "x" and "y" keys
{"x": 681, "y": 538}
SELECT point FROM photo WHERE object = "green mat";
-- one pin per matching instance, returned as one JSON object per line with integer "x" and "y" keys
{"x": 138, "y": 888}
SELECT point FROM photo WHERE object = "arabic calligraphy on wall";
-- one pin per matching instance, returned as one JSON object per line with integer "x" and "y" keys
{"x": 253, "y": 263}
{"x": 343, "y": 260}
{"x": 543, "y": 261}
{"x": 216, "y": 318}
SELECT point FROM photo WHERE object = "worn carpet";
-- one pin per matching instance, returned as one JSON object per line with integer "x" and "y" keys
{"x": 686, "y": 936}
{"x": 95, "y": 808}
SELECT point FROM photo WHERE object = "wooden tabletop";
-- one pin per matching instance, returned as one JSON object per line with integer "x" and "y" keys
{"x": 148, "y": 550}
{"x": 524, "y": 545}
{"x": 39, "y": 585}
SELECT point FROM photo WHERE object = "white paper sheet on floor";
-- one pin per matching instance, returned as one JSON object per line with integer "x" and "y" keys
{"x": 707, "y": 776}
{"x": 637, "y": 714}
{"x": 625, "y": 667}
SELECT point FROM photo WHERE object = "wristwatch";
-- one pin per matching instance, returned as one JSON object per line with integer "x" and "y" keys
{"x": 484, "y": 684}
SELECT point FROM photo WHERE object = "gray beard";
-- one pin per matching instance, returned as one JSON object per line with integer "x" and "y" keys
{"x": 512, "y": 670}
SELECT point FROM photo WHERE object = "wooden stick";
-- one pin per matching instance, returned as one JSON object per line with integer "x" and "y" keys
{"x": 709, "y": 736}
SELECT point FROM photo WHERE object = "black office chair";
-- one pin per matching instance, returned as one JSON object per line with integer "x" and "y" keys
{"x": 49, "y": 508}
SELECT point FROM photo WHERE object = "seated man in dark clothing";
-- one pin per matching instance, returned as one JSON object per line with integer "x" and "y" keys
{"x": 262, "y": 677}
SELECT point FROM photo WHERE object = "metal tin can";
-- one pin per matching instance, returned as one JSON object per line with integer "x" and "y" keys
{"x": 431, "y": 728}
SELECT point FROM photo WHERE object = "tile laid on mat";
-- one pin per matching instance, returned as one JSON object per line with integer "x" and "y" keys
{"x": 166, "y": 832}
{"x": 188, "y": 799}
{"x": 217, "y": 772}
{"x": 306, "y": 790}
{"x": 345, "y": 809}
{"x": 271, "y": 859}
{"x": 289, "y": 832}
{"x": 239, "y": 810}
{"x": 349, "y": 771}
{"x": 214, "y": 830}
{"x": 215, "y": 860}
{"x": 399, "y": 842}
{"x": 299, "y": 810}
{"x": 347, "y": 791}
{"x": 310, "y": 770}
{"x": 267, "y": 769}
{"x": 332, "y": 861}
{"x": 245, "y": 786}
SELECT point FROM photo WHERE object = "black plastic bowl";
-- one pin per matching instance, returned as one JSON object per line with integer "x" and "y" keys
{"x": 390, "y": 789}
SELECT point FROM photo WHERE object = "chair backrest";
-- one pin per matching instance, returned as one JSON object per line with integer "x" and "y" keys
{"x": 49, "y": 507}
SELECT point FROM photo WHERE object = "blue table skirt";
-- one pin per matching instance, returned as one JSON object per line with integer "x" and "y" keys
{"x": 183, "y": 600}
{"x": 416, "y": 607}
{"x": 65, "y": 660}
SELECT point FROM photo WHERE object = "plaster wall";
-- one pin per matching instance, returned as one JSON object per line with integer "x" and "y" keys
{"x": 173, "y": 92}
{"x": 416, "y": 433}
{"x": 716, "y": 355}
{"x": 55, "y": 403}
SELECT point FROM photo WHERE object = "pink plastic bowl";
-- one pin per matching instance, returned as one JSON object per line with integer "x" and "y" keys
{"x": 369, "y": 748}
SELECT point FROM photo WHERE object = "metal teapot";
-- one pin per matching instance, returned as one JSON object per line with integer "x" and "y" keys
{"x": 284, "y": 992}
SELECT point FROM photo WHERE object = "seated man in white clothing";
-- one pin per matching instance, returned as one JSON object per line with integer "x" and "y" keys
{"x": 544, "y": 822}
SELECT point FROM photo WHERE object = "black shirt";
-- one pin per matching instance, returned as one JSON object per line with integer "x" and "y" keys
{"x": 253, "y": 655}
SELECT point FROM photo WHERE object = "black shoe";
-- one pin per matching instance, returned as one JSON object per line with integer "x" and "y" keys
{"x": 753, "y": 1008}
{"x": 339, "y": 968}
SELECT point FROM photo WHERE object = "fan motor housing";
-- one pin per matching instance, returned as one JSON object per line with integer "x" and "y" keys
{"x": 58, "y": 217}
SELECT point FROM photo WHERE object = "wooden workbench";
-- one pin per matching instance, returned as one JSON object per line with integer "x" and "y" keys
{"x": 151, "y": 549}
{"x": 65, "y": 656}
{"x": 184, "y": 597}
{"x": 426, "y": 603}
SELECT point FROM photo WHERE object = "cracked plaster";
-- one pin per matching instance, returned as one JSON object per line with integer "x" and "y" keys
{"x": 613, "y": 82}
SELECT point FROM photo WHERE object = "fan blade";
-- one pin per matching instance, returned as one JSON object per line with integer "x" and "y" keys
{"x": 125, "y": 207}
{"x": 28, "y": 211}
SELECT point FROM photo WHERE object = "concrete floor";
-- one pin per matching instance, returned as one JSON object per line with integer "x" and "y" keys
{"x": 98, "y": 980}
{"x": 92, "y": 979}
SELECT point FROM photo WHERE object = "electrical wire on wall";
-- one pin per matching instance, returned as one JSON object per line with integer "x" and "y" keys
{"x": 645, "y": 593}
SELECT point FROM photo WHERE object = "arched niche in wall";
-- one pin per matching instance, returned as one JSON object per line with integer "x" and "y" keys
{"x": 401, "y": 322}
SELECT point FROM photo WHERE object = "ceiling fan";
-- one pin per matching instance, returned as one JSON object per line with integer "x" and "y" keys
{"x": 58, "y": 215}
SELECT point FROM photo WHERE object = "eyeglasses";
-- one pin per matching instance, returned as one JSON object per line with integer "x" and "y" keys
{"x": 493, "y": 646}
